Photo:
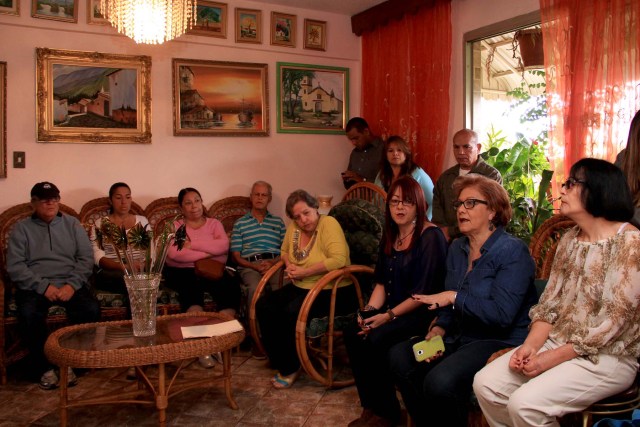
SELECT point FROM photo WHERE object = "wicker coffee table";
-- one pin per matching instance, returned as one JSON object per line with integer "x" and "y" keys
{"x": 112, "y": 345}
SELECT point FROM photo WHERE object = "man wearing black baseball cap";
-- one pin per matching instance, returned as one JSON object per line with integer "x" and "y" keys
{"x": 49, "y": 258}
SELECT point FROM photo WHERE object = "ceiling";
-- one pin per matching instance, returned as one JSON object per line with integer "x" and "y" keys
{"x": 342, "y": 7}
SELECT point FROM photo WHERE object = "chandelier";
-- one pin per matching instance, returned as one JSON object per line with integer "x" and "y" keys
{"x": 150, "y": 21}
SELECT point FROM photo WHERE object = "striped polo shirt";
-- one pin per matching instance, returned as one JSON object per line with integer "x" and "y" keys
{"x": 249, "y": 237}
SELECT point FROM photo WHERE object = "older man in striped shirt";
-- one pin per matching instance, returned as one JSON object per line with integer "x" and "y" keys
{"x": 256, "y": 239}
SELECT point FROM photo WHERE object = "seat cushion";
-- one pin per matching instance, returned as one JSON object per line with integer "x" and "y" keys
{"x": 363, "y": 224}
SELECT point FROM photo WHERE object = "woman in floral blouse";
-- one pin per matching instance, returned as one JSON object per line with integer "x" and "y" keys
{"x": 584, "y": 339}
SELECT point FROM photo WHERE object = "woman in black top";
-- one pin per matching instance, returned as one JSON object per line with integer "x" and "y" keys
{"x": 412, "y": 261}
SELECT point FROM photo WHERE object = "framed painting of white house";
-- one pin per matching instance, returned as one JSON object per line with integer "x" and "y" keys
{"x": 311, "y": 98}
{"x": 92, "y": 97}
{"x": 217, "y": 98}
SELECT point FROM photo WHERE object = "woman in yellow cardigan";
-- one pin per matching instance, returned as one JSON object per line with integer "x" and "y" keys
{"x": 313, "y": 245}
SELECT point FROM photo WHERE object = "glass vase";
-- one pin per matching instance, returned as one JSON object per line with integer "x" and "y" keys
{"x": 143, "y": 297}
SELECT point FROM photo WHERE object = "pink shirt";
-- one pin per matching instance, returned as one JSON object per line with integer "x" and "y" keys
{"x": 208, "y": 241}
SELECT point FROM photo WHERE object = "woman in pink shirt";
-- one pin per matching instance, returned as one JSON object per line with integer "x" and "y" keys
{"x": 206, "y": 238}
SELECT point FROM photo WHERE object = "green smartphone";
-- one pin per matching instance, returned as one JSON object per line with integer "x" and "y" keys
{"x": 427, "y": 349}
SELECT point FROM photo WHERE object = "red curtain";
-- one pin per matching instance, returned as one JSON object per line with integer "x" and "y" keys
{"x": 406, "y": 67}
{"x": 592, "y": 60}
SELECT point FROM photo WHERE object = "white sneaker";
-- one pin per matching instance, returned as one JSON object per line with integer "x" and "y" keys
{"x": 206, "y": 361}
{"x": 50, "y": 380}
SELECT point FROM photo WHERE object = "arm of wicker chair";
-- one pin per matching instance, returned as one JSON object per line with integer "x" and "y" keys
{"x": 253, "y": 323}
{"x": 332, "y": 277}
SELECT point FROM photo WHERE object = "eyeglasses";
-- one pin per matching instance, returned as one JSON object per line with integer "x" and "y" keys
{"x": 570, "y": 182}
{"x": 396, "y": 202}
{"x": 469, "y": 203}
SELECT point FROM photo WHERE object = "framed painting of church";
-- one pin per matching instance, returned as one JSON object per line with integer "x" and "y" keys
{"x": 220, "y": 98}
{"x": 92, "y": 97}
{"x": 312, "y": 98}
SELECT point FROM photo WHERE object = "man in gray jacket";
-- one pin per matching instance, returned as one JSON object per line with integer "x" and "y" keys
{"x": 49, "y": 258}
{"x": 466, "y": 149}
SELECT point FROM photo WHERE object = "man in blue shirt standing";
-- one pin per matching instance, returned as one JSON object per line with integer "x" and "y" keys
{"x": 49, "y": 258}
{"x": 256, "y": 239}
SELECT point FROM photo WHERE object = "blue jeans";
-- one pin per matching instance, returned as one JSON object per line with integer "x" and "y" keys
{"x": 32, "y": 317}
{"x": 438, "y": 393}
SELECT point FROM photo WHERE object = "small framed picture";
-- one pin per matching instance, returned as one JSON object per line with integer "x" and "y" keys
{"x": 10, "y": 7}
{"x": 315, "y": 34}
{"x": 66, "y": 11}
{"x": 283, "y": 29}
{"x": 248, "y": 26}
{"x": 211, "y": 19}
{"x": 94, "y": 16}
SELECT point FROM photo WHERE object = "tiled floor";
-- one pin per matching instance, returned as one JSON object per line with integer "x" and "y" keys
{"x": 305, "y": 404}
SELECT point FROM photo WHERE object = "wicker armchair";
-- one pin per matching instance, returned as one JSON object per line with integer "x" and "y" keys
{"x": 11, "y": 349}
{"x": 160, "y": 211}
{"x": 316, "y": 339}
{"x": 229, "y": 210}
{"x": 98, "y": 208}
{"x": 369, "y": 192}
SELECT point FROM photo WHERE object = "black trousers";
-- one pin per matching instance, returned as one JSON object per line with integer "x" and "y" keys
{"x": 369, "y": 359}
{"x": 277, "y": 314}
{"x": 32, "y": 319}
{"x": 190, "y": 288}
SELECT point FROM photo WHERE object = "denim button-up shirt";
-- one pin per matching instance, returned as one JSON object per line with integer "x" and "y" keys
{"x": 495, "y": 296}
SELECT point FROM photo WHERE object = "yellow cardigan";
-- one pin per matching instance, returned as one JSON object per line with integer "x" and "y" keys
{"x": 330, "y": 248}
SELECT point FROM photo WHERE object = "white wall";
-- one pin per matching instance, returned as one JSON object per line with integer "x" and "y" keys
{"x": 468, "y": 15}
{"x": 217, "y": 166}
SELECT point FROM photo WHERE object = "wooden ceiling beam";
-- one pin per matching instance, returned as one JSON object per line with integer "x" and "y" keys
{"x": 382, "y": 13}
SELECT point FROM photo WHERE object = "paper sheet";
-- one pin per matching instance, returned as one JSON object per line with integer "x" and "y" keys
{"x": 206, "y": 331}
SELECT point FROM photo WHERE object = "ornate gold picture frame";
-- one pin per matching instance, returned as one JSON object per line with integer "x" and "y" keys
{"x": 215, "y": 98}
{"x": 92, "y": 97}
{"x": 315, "y": 34}
{"x": 211, "y": 19}
{"x": 10, "y": 7}
{"x": 55, "y": 10}
{"x": 248, "y": 25}
{"x": 283, "y": 29}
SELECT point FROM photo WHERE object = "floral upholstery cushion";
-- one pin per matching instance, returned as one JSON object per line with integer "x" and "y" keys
{"x": 363, "y": 224}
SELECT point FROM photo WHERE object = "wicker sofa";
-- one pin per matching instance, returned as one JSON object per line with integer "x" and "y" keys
{"x": 113, "y": 307}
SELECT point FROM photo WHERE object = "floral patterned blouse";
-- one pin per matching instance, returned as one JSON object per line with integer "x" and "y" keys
{"x": 593, "y": 295}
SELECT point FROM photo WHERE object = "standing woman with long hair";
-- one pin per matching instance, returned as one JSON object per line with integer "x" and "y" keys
{"x": 397, "y": 161}
{"x": 629, "y": 161}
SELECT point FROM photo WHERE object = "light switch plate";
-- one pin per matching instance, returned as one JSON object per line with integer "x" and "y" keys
{"x": 19, "y": 159}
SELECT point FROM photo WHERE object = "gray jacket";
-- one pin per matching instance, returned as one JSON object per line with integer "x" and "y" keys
{"x": 41, "y": 254}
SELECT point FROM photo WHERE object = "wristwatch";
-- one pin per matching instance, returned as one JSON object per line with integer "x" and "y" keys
{"x": 391, "y": 314}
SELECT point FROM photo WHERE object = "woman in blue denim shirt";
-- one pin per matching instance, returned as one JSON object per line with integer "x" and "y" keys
{"x": 484, "y": 308}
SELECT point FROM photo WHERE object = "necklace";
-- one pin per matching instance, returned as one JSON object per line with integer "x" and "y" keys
{"x": 400, "y": 240}
{"x": 301, "y": 254}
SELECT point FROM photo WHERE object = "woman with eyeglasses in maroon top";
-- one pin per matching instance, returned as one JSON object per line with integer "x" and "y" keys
{"x": 584, "y": 339}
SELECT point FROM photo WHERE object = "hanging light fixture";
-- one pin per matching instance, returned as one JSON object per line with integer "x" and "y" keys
{"x": 150, "y": 21}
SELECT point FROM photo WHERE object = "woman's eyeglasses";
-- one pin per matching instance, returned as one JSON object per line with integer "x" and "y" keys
{"x": 396, "y": 202}
{"x": 469, "y": 203}
{"x": 570, "y": 182}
